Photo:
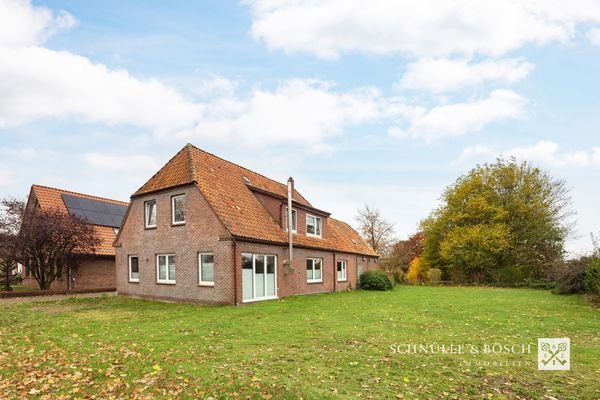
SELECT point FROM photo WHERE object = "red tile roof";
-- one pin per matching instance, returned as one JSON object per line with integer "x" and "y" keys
{"x": 50, "y": 198}
{"x": 225, "y": 186}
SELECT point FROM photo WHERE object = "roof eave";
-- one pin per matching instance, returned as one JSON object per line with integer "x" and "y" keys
{"x": 302, "y": 246}
{"x": 294, "y": 202}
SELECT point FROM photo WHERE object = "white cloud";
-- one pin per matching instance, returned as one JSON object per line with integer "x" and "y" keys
{"x": 303, "y": 110}
{"x": 5, "y": 177}
{"x": 37, "y": 82}
{"x": 430, "y": 28}
{"x": 476, "y": 151}
{"x": 462, "y": 118}
{"x": 321, "y": 149}
{"x": 544, "y": 152}
{"x": 24, "y": 25}
{"x": 216, "y": 86}
{"x": 594, "y": 36}
{"x": 24, "y": 154}
{"x": 441, "y": 75}
{"x": 547, "y": 152}
{"x": 134, "y": 163}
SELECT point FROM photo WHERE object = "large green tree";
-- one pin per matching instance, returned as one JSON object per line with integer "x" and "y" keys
{"x": 500, "y": 223}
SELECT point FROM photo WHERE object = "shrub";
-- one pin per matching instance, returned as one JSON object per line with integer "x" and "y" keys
{"x": 434, "y": 275}
{"x": 415, "y": 271}
{"x": 375, "y": 280}
{"x": 397, "y": 275}
{"x": 545, "y": 284}
{"x": 591, "y": 279}
{"x": 570, "y": 279}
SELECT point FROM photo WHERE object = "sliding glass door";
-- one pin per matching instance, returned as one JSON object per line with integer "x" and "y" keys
{"x": 259, "y": 277}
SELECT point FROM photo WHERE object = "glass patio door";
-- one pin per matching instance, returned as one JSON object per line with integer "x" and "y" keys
{"x": 259, "y": 277}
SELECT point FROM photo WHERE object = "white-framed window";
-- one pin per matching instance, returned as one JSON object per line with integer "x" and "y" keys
{"x": 206, "y": 269}
{"x": 178, "y": 209}
{"x": 165, "y": 268}
{"x": 314, "y": 270}
{"x": 313, "y": 225}
{"x": 150, "y": 214}
{"x": 259, "y": 277}
{"x": 342, "y": 271}
{"x": 294, "y": 220}
{"x": 116, "y": 231}
{"x": 134, "y": 269}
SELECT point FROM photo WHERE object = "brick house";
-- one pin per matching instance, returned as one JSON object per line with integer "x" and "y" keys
{"x": 92, "y": 271}
{"x": 206, "y": 230}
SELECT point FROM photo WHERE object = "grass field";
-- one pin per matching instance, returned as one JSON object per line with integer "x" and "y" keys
{"x": 315, "y": 347}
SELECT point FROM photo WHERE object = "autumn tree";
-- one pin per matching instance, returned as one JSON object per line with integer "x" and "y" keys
{"x": 45, "y": 242}
{"x": 404, "y": 251}
{"x": 8, "y": 275}
{"x": 500, "y": 223}
{"x": 375, "y": 229}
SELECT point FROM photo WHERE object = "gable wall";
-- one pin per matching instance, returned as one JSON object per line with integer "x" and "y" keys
{"x": 200, "y": 233}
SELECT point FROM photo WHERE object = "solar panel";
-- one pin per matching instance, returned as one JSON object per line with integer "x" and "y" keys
{"x": 96, "y": 212}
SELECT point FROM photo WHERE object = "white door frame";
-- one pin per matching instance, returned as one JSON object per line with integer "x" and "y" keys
{"x": 254, "y": 298}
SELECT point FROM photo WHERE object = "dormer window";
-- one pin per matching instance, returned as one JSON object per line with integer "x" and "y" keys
{"x": 294, "y": 220}
{"x": 150, "y": 214}
{"x": 313, "y": 225}
{"x": 178, "y": 209}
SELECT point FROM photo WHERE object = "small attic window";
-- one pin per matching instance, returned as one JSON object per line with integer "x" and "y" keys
{"x": 354, "y": 241}
{"x": 246, "y": 180}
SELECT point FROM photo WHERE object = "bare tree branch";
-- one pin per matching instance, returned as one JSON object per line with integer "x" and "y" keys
{"x": 377, "y": 231}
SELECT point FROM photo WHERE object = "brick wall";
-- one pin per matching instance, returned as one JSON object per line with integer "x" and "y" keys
{"x": 92, "y": 272}
{"x": 203, "y": 232}
{"x": 200, "y": 233}
{"x": 293, "y": 282}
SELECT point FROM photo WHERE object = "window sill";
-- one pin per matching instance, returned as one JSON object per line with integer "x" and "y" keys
{"x": 149, "y": 228}
{"x": 178, "y": 223}
{"x": 206, "y": 284}
{"x": 342, "y": 280}
{"x": 260, "y": 299}
{"x": 309, "y": 282}
{"x": 165, "y": 282}
{"x": 314, "y": 236}
{"x": 131, "y": 281}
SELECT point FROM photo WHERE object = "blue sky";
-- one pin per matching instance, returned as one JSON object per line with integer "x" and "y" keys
{"x": 376, "y": 102}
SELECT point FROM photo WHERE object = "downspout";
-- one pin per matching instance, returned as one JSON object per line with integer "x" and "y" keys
{"x": 290, "y": 187}
{"x": 356, "y": 269}
{"x": 335, "y": 273}
{"x": 69, "y": 276}
{"x": 235, "y": 271}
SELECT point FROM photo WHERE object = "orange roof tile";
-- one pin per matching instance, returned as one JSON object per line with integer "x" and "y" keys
{"x": 50, "y": 199}
{"x": 226, "y": 186}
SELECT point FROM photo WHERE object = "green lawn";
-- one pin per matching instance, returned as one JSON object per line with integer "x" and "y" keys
{"x": 315, "y": 347}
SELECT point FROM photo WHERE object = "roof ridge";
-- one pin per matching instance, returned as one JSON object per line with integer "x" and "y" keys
{"x": 160, "y": 169}
{"x": 77, "y": 193}
{"x": 244, "y": 168}
{"x": 189, "y": 147}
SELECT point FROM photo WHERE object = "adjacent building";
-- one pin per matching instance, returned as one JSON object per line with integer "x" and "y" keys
{"x": 206, "y": 230}
{"x": 90, "y": 271}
